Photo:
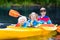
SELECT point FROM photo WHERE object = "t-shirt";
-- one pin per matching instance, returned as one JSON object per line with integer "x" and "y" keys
{"x": 44, "y": 19}
{"x": 33, "y": 22}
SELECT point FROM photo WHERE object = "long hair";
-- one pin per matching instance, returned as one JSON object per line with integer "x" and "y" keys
{"x": 32, "y": 14}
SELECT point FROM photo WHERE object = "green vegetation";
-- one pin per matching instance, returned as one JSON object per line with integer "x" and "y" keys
{"x": 28, "y": 2}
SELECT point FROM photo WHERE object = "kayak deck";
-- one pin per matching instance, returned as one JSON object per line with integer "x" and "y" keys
{"x": 21, "y": 32}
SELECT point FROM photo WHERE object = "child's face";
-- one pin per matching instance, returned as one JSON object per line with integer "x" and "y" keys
{"x": 33, "y": 17}
{"x": 43, "y": 12}
{"x": 22, "y": 21}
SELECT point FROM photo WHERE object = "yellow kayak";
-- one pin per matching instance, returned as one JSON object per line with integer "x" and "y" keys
{"x": 16, "y": 32}
{"x": 21, "y": 32}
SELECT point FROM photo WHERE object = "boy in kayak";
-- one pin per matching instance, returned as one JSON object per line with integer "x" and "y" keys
{"x": 43, "y": 19}
{"x": 22, "y": 22}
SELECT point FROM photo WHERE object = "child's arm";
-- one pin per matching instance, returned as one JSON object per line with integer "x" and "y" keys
{"x": 49, "y": 22}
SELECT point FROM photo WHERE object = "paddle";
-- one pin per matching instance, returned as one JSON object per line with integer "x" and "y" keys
{"x": 14, "y": 13}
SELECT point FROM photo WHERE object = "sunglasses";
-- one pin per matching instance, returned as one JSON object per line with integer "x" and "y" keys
{"x": 42, "y": 10}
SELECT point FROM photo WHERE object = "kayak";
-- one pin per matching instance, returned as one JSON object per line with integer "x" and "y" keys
{"x": 21, "y": 32}
{"x": 16, "y": 32}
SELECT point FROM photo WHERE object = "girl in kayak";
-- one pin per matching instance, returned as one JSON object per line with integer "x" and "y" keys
{"x": 43, "y": 18}
{"x": 33, "y": 19}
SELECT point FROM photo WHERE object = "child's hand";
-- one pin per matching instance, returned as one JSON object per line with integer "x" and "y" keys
{"x": 17, "y": 25}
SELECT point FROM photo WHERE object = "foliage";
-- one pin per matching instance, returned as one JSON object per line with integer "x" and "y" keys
{"x": 29, "y": 2}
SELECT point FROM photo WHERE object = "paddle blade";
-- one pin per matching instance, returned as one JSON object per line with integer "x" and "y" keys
{"x": 58, "y": 28}
{"x": 14, "y": 13}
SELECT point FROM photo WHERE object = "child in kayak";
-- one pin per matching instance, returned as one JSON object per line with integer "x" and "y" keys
{"x": 22, "y": 22}
{"x": 33, "y": 19}
{"x": 43, "y": 18}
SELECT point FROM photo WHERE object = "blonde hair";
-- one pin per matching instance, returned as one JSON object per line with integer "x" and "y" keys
{"x": 22, "y": 17}
{"x": 33, "y": 13}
